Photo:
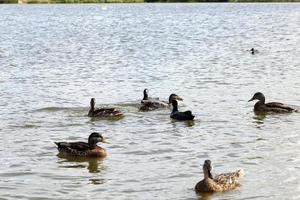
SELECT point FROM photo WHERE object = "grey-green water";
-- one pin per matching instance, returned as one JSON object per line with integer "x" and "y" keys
{"x": 54, "y": 58}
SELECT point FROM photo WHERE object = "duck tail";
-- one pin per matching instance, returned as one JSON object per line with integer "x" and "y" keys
{"x": 240, "y": 173}
{"x": 57, "y": 144}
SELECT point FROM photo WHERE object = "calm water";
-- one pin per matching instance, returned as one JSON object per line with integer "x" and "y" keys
{"x": 54, "y": 58}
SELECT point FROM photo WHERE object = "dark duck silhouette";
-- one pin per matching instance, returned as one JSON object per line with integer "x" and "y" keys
{"x": 253, "y": 51}
{"x": 275, "y": 107}
{"x": 103, "y": 112}
{"x": 175, "y": 114}
{"x": 220, "y": 183}
{"x": 149, "y": 104}
{"x": 89, "y": 149}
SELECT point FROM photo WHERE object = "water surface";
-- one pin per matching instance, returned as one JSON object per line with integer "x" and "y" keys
{"x": 54, "y": 58}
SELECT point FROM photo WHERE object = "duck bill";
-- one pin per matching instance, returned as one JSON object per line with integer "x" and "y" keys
{"x": 106, "y": 142}
{"x": 178, "y": 98}
{"x": 251, "y": 99}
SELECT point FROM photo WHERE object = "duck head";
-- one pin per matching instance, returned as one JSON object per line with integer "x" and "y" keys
{"x": 174, "y": 97}
{"x": 258, "y": 96}
{"x": 94, "y": 138}
{"x": 252, "y": 51}
{"x": 92, "y": 103}
{"x": 207, "y": 169}
{"x": 145, "y": 94}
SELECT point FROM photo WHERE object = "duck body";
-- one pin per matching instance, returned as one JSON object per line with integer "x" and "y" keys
{"x": 102, "y": 112}
{"x": 271, "y": 107}
{"x": 149, "y": 104}
{"x": 80, "y": 149}
{"x": 187, "y": 115}
{"x": 275, "y": 107}
{"x": 175, "y": 114}
{"x": 221, "y": 183}
{"x": 83, "y": 149}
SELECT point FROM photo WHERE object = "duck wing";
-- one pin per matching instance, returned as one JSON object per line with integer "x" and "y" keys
{"x": 279, "y": 106}
{"x": 102, "y": 112}
{"x": 148, "y": 105}
{"x": 230, "y": 179}
{"x": 99, "y": 110}
{"x": 78, "y": 146}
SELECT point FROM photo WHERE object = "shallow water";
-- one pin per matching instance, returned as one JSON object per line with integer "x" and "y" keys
{"x": 54, "y": 58}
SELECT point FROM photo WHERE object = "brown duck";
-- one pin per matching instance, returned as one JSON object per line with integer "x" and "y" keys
{"x": 149, "y": 104}
{"x": 275, "y": 107}
{"x": 89, "y": 149}
{"x": 220, "y": 183}
{"x": 102, "y": 112}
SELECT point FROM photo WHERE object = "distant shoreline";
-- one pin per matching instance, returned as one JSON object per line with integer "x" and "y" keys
{"x": 139, "y": 1}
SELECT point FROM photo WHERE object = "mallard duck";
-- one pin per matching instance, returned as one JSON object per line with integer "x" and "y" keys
{"x": 275, "y": 107}
{"x": 220, "y": 183}
{"x": 149, "y": 105}
{"x": 175, "y": 114}
{"x": 89, "y": 149}
{"x": 103, "y": 112}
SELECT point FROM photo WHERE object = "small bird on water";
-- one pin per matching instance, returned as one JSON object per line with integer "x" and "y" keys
{"x": 253, "y": 51}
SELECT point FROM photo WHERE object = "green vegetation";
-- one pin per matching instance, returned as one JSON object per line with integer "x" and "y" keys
{"x": 139, "y": 1}
{"x": 253, "y": 1}
{"x": 8, "y": 1}
{"x": 84, "y": 1}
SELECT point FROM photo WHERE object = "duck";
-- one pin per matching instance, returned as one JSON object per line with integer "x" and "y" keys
{"x": 84, "y": 149}
{"x": 253, "y": 51}
{"x": 175, "y": 114}
{"x": 102, "y": 112}
{"x": 155, "y": 103}
{"x": 275, "y": 107}
{"x": 220, "y": 183}
{"x": 147, "y": 98}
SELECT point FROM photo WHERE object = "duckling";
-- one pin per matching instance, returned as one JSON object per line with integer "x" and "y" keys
{"x": 175, "y": 114}
{"x": 275, "y": 107}
{"x": 149, "y": 105}
{"x": 103, "y": 112}
{"x": 89, "y": 149}
{"x": 220, "y": 183}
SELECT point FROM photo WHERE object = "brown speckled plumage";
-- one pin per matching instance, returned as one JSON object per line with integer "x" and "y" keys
{"x": 103, "y": 112}
{"x": 220, "y": 183}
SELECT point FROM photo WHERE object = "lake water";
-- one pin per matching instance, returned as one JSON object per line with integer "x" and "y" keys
{"x": 54, "y": 58}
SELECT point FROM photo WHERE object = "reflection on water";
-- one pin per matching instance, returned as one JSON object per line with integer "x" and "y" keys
{"x": 188, "y": 123}
{"x": 94, "y": 165}
{"x": 204, "y": 196}
{"x": 97, "y": 181}
{"x": 259, "y": 119}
